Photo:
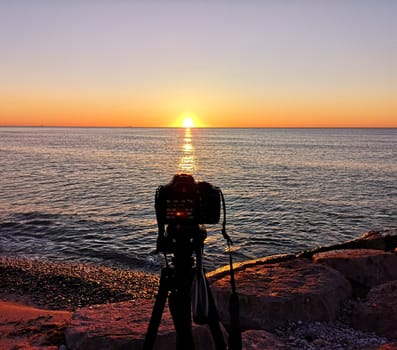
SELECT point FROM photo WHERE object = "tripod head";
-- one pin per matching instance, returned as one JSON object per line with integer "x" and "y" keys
{"x": 178, "y": 237}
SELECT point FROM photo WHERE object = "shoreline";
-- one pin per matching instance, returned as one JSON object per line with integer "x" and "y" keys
{"x": 62, "y": 285}
{"x": 68, "y": 285}
{"x": 38, "y": 298}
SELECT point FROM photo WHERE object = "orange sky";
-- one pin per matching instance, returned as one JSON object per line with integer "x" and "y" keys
{"x": 282, "y": 111}
{"x": 270, "y": 64}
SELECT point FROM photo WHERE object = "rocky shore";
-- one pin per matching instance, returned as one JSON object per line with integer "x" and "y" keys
{"x": 339, "y": 297}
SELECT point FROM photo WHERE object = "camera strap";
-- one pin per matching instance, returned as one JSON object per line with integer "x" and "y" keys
{"x": 235, "y": 341}
{"x": 229, "y": 244}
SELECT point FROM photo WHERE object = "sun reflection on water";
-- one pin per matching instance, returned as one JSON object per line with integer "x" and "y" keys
{"x": 187, "y": 161}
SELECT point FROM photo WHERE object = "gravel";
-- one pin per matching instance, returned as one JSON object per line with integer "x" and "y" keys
{"x": 327, "y": 335}
{"x": 336, "y": 335}
{"x": 68, "y": 286}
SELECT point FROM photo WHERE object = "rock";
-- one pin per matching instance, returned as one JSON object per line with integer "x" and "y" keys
{"x": 272, "y": 294}
{"x": 364, "y": 268}
{"x": 123, "y": 325}
{"x": 379, "y": 312}
{"x": 239, "y": 266}
{"x": 25, "y": 327}
{"x": 382, "y": 240}
{"x": 261, "y": 340}
{"x": 114, "y": 326}
{"x": 373, "y": 240}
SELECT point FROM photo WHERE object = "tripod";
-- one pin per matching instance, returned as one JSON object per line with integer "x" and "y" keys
{"x": 176, "y": 284}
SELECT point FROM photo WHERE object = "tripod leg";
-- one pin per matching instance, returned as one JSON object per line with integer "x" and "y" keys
{"x": 180, "y": 307}
{"x": 213, "y": 321}
{"x": 158, "y": 310}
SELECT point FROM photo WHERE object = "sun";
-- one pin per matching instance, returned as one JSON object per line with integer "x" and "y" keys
{"x": 188, "y": 122}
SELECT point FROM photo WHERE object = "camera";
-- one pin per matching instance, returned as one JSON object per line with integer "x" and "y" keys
{"x": 186, "y": 202}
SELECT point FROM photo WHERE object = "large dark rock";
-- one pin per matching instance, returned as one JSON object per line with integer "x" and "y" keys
{"x": 364, "y": 268}
{"x": 116, "y": 326}
{"x": 382, "y": 240}
{"x": 24, "y": 327}
{"x": 123, "y": 325}
{"x": 272, "y": 294}
{"x": 379, "y": 312}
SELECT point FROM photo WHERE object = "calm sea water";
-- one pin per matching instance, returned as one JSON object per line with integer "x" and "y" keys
{"x": 88, "y": 194}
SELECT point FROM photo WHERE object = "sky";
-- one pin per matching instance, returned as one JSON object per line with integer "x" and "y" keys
{"x": 252, "y": 63}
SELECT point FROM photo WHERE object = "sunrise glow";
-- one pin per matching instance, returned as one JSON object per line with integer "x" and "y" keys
{"x": 163, "y": 64}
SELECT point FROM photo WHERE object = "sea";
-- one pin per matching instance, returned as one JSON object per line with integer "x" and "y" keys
{"x": 87, "y": 195}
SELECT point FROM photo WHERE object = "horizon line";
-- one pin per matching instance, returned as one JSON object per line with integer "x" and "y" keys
{"x": 195, "y": 127}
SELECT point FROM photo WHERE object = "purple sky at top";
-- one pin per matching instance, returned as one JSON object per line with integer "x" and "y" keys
{"x": 241, "y": 49}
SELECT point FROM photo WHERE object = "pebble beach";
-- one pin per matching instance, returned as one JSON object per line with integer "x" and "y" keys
{"x": 68, "y": 286}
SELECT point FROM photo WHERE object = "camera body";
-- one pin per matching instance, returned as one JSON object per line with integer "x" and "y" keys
{"x": 186, "y": 202}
